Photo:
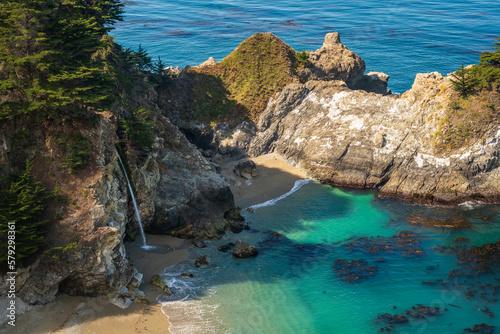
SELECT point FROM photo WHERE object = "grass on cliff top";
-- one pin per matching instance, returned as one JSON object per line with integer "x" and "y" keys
{"x": 240, "y": 86}
{"x": 468, "y": 120}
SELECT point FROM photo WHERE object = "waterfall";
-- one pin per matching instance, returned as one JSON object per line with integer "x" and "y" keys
{"x": 144, "y": 245}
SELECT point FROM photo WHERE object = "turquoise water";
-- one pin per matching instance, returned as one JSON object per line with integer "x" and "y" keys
{"x": 291, "y": 287}
{"x": 398, "y": 37}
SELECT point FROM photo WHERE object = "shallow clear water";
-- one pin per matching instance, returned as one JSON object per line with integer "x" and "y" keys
{"x": 291, "y": 287}
{"x": 398, "y": 37}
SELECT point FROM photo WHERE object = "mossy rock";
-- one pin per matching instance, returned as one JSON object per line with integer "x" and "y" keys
{"x": 156, "y": 280}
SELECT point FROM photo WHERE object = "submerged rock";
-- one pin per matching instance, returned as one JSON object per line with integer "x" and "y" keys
{"x": 243, "y": 250}
{"x": 353, "y": 271}
{"x": 405, "y": 242}
{"x": 448, "y": 223}
{"x": 199, "y": 244}
{"x": 480, "y": 329}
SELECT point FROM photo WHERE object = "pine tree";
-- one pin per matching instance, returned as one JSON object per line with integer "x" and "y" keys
{"x": 491, "y": 58}
{"x": 22, "y": 202}
{"x": 463, "y": 82}
{"x": 142, "y": 60}
{"x": 56, "y": 56}
{"x": 159, "y": 66}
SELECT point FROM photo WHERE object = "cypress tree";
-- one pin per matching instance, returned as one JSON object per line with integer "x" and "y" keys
{"x": 22, "y": 202}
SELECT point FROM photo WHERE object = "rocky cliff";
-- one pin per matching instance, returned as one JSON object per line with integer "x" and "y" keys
{"x": 344, "y": 128}
{"x": 178, "y": 192}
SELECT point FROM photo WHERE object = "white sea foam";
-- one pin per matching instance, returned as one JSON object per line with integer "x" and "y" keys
{"x": 192, "y": 316}
{"x": 298, "y": 184}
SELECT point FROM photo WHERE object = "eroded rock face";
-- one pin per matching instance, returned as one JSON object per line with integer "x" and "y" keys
{"x": 96, "y": 223}
{"x": 333, "y": 61}
{"x": 353, "y": 138}
{"x": 179, "y": 192}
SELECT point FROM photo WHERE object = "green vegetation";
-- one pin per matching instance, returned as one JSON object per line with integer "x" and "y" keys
{"x": 476, "y": 108}
{"x": 303, "y": 56}
{"x": 56, "y": 57}
{"x": 77, "y": 152}
{"x": 463, "y": 81}
{"x": 240, "y": 86}
{"x": 23, "y": 201}
{"x": 138, "y": 129}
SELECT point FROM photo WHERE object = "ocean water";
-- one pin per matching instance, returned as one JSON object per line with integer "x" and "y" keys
{"x": 398, "y": 37}
{"x": 291, "y": 286}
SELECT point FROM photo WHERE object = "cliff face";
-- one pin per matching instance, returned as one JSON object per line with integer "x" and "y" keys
{"x": 94, "y": 218}
{"x": 177, "y": 190}
{"x": 344, "y": 128}
{"x": 353, "y": 138}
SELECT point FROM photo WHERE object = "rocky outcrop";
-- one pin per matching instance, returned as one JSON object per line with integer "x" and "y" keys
{"x": 353, "y": 138}
{"x": 179, "y": 192}
{"x": 333, "y": 61}
{"x": 245, "y": 169}
{"x": 243, "y": 250}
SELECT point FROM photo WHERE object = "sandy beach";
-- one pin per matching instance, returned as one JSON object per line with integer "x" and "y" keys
{"x": 96, "y": 315}
{"x": 275, "y": 177}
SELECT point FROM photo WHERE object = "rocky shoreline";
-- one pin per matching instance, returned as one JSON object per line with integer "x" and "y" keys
{"x": 333, "y": 122}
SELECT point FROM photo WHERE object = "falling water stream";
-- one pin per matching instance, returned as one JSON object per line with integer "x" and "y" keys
{"x": 144, "y": 244}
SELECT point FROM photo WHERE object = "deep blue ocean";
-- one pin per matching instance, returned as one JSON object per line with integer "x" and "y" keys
{"x": 295, "y": 285}
{"x": 398, "y": 37}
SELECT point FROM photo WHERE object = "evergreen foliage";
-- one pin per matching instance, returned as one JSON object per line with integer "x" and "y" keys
{"x": 303, "y": 56}
{"x": 138, "y": 129}
{"x": 56, "y": 56}
{"x": 463, "y": 81}
{"x": 159, "y": 67}
{"x": 142, "y": 60}
{"x": 22, "y": 201}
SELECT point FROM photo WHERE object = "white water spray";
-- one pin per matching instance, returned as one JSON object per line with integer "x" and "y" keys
{"x": 144, "y": 244}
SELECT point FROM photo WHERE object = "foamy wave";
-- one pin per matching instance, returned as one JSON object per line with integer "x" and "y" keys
{"x": 192, "y": 316}
{"x": 298, "y": 184}
{"x": 470, "y": 205}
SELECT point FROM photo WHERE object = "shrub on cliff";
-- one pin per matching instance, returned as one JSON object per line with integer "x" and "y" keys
{"x": 138, "y": 129}
{"x": 22, "y": 201}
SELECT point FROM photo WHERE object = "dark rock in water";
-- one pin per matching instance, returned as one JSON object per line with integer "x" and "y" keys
{"x": 481, "y": 329}
{"x": 226, "y": 248}
{"x": 448, "y": 223}
{"x": 461, "y": 239}
{"x": 199, "y": 244}
{"x": 243, "y": 250}
{"x": 246, "y": 227}
{"x": 353, "y": 271}
{"x": 406, "y": 243}
{"x": 186, "y": 275}
{"x": 202, "y": 261}
{"x": 392, "y": 319}
{"x": 246, "y": 169}
{"x": 430, "y": 268}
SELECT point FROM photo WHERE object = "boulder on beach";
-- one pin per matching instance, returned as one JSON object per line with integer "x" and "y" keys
{"x": 243, "y": 250}
{"x": 156, "y": 280}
